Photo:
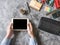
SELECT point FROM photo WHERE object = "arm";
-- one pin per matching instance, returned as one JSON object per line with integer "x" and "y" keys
{"x": 8, "y": 37}
{"x": 33, "y": 41}
{"x": 31, "y": 34}
{"x": 6, "y": 41}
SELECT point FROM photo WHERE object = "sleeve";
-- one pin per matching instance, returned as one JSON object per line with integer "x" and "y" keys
{"x": 33, "y": 41}
{"x": 5, "y": 41}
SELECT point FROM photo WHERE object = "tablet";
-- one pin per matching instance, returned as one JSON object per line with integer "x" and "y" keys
{"x": 20, "y": 24}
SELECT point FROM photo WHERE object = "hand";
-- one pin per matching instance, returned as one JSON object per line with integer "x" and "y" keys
{"x": 9, "y": 30}
{"x": 30, "y": 30}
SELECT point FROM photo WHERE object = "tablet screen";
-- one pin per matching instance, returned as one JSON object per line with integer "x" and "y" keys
{"x": 19, "y": 23}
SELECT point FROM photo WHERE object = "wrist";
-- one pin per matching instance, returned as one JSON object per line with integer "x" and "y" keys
{"x": 32, "y": 36}
{"x": 9, "y": 35}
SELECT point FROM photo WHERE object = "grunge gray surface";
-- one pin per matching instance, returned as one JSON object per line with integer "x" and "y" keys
{"x": 10, "y": 9}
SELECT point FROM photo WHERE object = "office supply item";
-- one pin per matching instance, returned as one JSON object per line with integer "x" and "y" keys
{"x": 48, "y": 9}
{"x": 23, "y": 11}
{"x": 51, "y": 3}
{"x": 49, "y": 25}
{"x": 35, "y": 4}
{"x": 52, "y": 12}
{"x": 43, "y": 1}
{"x": 47, "y": 1}
{"x": 56, "y": 14}
{"x": 57, "y": 3}
{"x": 28, "y": 7}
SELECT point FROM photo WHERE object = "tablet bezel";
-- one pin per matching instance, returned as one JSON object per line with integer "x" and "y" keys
{"x": 21, "y": 29}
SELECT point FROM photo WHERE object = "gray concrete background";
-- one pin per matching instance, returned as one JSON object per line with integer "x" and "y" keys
{"x": 10, "y": 9}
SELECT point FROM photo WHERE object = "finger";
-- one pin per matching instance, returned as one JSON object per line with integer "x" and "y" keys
{"x": 11, "y": 26}
{"x": 31, "y": 26}
{"x": 11, "y": 23}
{"x": 28, "y": 26}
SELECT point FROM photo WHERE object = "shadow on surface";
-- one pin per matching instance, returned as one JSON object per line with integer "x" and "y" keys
{"x": 36, "y": 33}
{"x": 14, "y": 39}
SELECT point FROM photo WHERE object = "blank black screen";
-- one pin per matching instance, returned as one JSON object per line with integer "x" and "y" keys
{"x": 19, "y": 23}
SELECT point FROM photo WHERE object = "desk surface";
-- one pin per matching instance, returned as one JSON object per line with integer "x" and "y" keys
{"x": 10, "y": 9}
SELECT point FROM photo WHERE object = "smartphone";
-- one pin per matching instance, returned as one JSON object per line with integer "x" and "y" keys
{"x": 20, "y": 24}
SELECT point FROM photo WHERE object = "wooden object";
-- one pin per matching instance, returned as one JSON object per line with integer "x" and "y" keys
{"x": 36, "y": 5}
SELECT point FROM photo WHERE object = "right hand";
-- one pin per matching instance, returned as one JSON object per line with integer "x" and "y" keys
{"x": 30, "y": 30}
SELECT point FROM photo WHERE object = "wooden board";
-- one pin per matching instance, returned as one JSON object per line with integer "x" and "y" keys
{"x": 36, "y": 5}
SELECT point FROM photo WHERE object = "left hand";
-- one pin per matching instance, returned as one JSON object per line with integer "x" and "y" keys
{"x": 9, "y": 30}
